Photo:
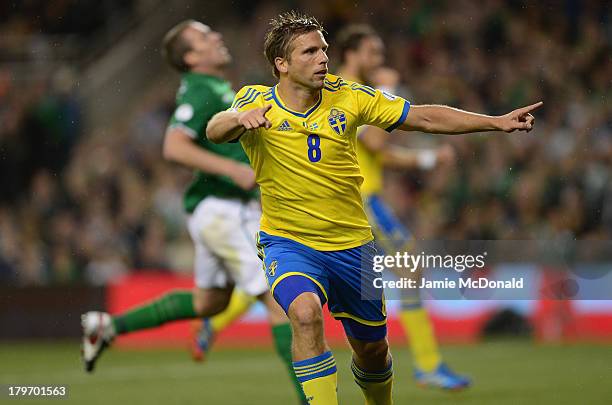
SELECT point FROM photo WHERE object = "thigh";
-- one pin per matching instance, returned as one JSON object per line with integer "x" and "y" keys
{"x": 208, "y": 271}
{"x": 353, "y": 299}
{"x": 225, "y": 230}
{"x": 240, "y": 253}
{"x": 291, "y": 269}
{"x": 276, "y": 314}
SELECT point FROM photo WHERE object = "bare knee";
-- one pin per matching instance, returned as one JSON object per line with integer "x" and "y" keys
{"x": 276, "y": 314}
{"x": 202, "y": 308}
{"x": 210, "y": 302}
{"x": 305, "y": 312}
{"x": 373, "y": 354}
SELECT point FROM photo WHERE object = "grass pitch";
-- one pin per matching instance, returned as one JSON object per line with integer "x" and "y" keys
{"x": 503, "y": 373}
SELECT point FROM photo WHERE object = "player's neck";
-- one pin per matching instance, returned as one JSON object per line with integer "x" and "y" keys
{"x": 297, "y": 98}
{"x": 211, "y": 71}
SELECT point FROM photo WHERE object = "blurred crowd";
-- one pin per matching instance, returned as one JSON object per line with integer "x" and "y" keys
{"x": 27, "y": 25}
{"x": 89, "y": 207}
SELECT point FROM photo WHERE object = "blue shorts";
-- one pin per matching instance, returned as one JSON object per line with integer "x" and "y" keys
{"x": 390, "y": 234}
{"x": 342, "y": 278}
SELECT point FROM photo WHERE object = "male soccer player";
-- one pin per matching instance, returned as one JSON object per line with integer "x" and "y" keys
{"x": 362, "y": 57}
{"x": 221, "y": 201}
{"x": 315, "y": 239}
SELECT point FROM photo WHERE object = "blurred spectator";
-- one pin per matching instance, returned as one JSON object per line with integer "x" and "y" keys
{"x": 88, "y": 207}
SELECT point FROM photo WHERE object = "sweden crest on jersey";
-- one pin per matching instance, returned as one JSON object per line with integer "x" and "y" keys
{"x": 337, "y": 120}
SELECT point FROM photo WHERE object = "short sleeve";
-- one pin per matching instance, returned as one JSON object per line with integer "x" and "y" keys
{"x": 246, "y": 99}
{"x": 379, "y": 108}
{"x": 193, "y": 111}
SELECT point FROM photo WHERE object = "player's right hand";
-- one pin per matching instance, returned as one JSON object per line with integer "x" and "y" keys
{"x": 520, "y": 119}
{"x": 255, "y": 118}
{"x": 243, "y": 176}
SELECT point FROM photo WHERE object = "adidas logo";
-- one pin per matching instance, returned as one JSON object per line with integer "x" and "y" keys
{"x": 284, "y": 126}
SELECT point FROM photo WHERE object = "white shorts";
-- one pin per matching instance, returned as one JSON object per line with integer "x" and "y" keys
{"x": 223, "y": 232}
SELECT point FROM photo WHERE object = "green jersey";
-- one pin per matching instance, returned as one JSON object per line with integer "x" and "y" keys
{"x": 199, "y": 98}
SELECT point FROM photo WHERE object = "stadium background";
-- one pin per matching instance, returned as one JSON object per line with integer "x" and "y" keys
{"x": 91, "y": 216}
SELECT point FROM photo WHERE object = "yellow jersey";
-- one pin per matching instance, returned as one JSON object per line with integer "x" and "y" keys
{"x": 370, "y": 163}
{"x": 306, "y": 164}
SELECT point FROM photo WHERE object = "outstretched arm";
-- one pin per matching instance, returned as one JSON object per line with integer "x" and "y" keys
{"x": 227, "y": 126}
{"x": 447, "y": 120}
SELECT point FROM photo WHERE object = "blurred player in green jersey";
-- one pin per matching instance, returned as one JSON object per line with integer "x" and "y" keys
{"x": 221, "y": 202}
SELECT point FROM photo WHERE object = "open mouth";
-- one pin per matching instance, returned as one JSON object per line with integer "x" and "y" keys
{"x": 322, "y": 72}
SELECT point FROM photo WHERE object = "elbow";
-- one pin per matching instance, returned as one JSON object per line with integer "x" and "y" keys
{"x": 168, "y": 151}
{"x": 426, "y": 124}
{"x": 213, "y": 134}
{"x": 440, "y": 120}
{"x": 421, "y": 118}
{"x": 214, "y": 137}
{"x": 172, "y": 146}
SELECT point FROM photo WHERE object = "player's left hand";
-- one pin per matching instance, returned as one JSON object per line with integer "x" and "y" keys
{"x": 243, "y": 176}
{"x": 520, "y": 119}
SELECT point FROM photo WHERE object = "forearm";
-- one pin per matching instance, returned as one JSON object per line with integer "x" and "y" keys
{"x": 398, "y": 157}
{"x": 447, "y": 120}
{"x": 181, "y": 149}
{"x": 224, "y": 127}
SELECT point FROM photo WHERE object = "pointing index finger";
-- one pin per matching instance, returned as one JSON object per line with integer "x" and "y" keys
{"x": 531, "y": 107}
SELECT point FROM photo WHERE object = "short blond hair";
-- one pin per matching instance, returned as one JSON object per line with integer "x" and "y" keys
{"x": 283, "y": 31}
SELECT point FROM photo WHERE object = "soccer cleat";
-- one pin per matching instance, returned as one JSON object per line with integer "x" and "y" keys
{"x": 442, "y": 377}
{"x": 98, "y": 333}
{"x": 202, "y": 339}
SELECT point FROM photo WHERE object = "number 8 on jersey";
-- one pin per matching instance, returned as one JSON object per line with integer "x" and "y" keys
{"x": 314, "y": 150}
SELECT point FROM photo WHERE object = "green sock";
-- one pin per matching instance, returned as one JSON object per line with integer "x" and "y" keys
{"x": 282, "y": 342}
{"x": 172, "y": 306}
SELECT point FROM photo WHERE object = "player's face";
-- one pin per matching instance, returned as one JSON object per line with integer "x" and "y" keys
{"x": 370, "y": 55}
{"x": 207, "y": 47}
{"x": 307, "y": 64}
